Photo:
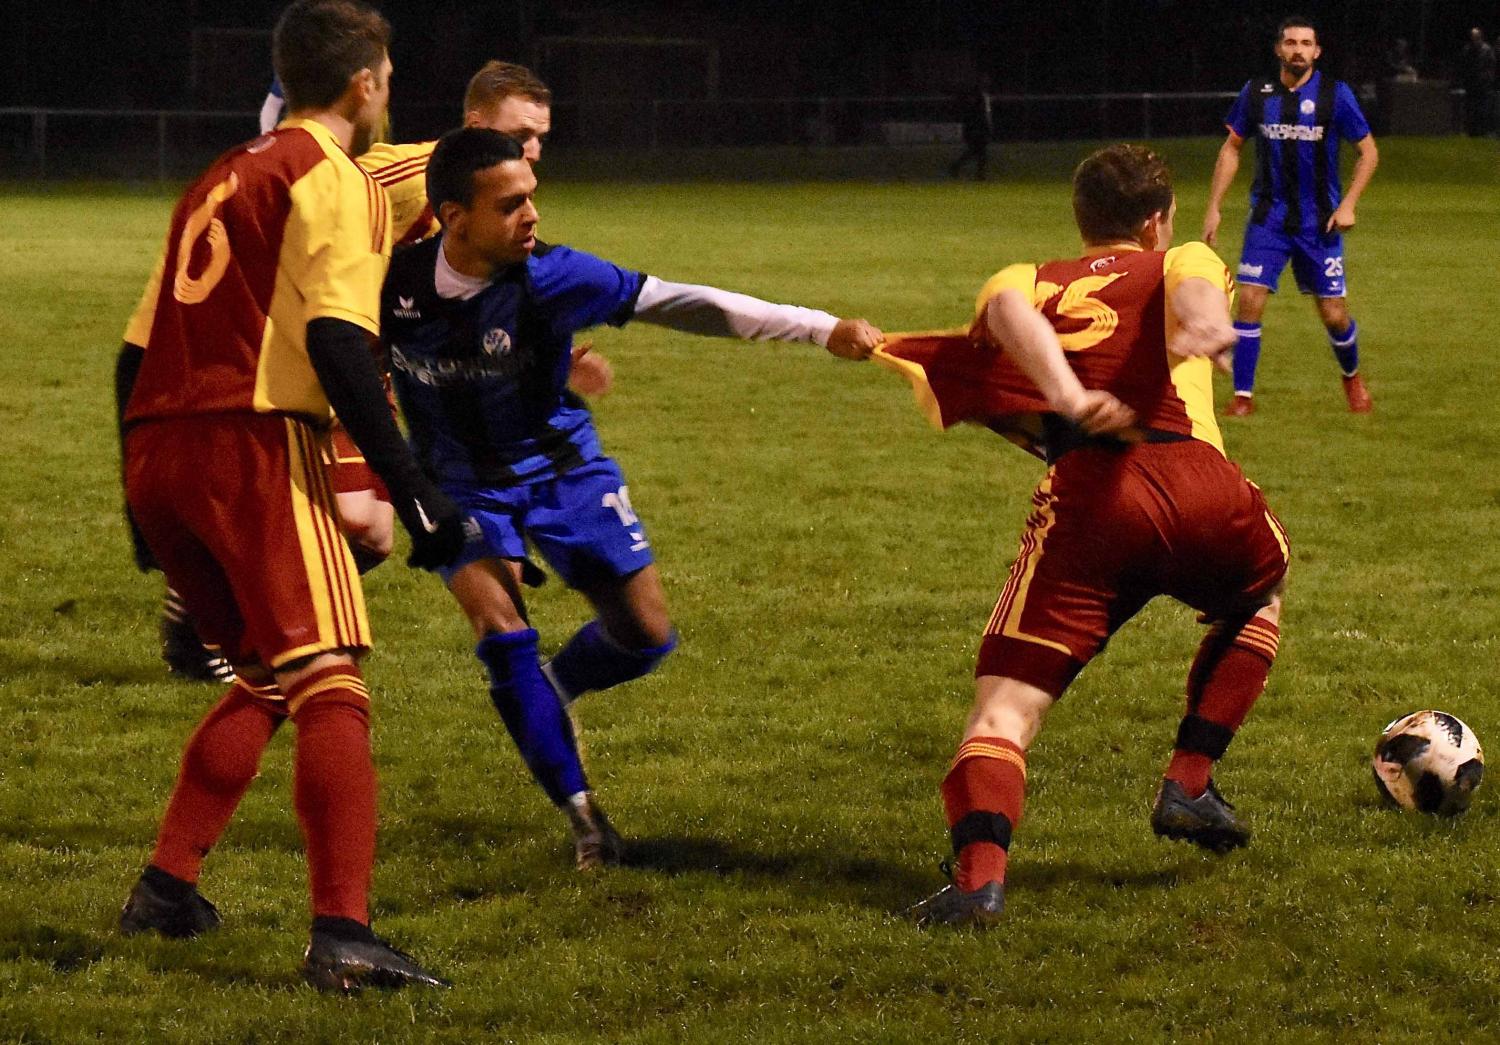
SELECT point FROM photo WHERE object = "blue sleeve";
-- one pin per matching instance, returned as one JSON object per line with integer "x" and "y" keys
{"x": 276, "y": 87}
{"x": 1238, "y": 118}
{"x": 1348, "y": 120}
{"x": 577, "y": 290}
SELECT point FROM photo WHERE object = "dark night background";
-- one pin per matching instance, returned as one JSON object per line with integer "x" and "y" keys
{"x": 115, "y": 54}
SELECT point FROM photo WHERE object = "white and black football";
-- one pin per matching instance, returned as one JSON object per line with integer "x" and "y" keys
{"x": 1429, "y": 762}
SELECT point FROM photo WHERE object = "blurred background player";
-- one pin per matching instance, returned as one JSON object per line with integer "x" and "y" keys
{"x": 478, "y": 324}
{"x": 1297, "y": 209}
{"x": 256, "y": 322}
{"x": 977, "y": 118}
{"x": 1102, "y": 365}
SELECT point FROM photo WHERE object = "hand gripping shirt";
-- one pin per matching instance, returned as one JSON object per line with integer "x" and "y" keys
{"x": 483, "y": 379}
{"x": 1113, "y": 314}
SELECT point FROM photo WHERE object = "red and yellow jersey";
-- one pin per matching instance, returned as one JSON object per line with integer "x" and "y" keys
{"x": 1113, "y": 316}
{"x": 402, "y": 171}
{"x": 279, "y": 231}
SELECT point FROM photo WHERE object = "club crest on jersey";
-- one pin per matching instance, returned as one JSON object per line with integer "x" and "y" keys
{"x": 1099, "y": 264}
{"x": 1308, "y": 106}
{"x": 496, "y": 342}
{"x": 406, "y": 308}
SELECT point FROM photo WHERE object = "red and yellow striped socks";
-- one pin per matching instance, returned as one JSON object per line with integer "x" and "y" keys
{"x": 983, "y": 795}
{"x": 1227, "y": 677}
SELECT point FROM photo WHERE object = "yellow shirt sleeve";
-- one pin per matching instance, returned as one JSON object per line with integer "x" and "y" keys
{"x": 338, "y": 242}
{"x": 138, "y": 330}
{"x": 1020, "y": 277}
{"x": 402, "y": 171}
{"x": 1196, "y": 259}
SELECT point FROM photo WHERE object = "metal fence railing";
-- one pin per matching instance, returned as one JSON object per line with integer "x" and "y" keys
{"x": 172, "y": 143}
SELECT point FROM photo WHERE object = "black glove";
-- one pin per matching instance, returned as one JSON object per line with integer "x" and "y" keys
{"x": 144, "y": 560}
{"x": 340, "y": 354}
{"x": 435, "y": 523}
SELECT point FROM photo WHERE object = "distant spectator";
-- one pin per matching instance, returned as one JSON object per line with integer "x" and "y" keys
{"x": 1398, "y": 62}
{"x": 1476, "y": 75}
{"x": 979, "y": 129}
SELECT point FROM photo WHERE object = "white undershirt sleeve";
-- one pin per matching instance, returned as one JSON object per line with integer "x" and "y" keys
{"x": 697, "y": 309}
{"x": 270, "y": 113}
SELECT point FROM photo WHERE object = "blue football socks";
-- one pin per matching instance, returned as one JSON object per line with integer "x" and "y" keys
{"x": 593, "y": 660}
{"x": 1246, "y": 356}
{"x": 532, "y": 713}
{"x": 1346, "y": 348}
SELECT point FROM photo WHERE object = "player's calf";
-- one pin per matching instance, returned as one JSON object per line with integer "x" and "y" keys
{"x": 537, "y": 719}
{"x": 593, "y": 660}
{"x": 1227, "y": 677}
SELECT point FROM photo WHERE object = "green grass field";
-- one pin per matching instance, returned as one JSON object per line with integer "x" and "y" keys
{"x": 830, "y": 563}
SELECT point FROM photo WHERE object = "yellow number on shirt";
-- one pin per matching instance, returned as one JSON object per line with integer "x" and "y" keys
{"x": 1078, "y": 302}
{"x": 192, "y": 289}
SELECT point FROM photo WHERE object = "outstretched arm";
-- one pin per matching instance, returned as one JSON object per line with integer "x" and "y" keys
{"x": 696, "y": 309}
{"x": 1225, "y": 168}
{"x": 1029, "y": 339}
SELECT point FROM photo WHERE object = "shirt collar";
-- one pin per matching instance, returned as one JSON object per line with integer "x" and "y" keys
{"x": 451, "y": 283}
{"x": 313, "y": 127}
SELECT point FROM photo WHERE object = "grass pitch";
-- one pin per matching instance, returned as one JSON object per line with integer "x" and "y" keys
{"x": 830, "y": 563}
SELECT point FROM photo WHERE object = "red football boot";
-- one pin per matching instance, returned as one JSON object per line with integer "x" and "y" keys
{"x": 1240, "y": 406}
{"x": 1358, "y": 395}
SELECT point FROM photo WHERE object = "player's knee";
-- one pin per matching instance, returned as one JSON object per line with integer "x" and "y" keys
{"x": 1008, "y": 709}
{"x": 1251, "y": 304}
{"x": 1334, "y": 312}
{"x": 497, "y": 620}
{"x": 219, "y": 764}
{"x": 1271, "y": 611}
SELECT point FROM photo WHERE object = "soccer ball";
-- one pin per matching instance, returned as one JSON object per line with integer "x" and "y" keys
{"x": 1428, "y": 761}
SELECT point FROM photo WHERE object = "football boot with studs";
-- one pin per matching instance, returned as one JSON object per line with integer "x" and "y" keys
{"x": 951, "y": 905}
{"x": 339, "y": 963}
{"x": 595, "y": 841}
{"x": 149, "y": 909}
{"x": 1207, "y": 821}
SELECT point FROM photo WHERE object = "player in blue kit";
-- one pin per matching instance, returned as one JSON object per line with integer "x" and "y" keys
{"x": 478, "y": 325}
{"x": 1298, "y": 211}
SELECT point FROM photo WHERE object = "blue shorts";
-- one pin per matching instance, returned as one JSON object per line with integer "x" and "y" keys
{"x": 580, "y": 522}
{"x": 1317, "y": 260}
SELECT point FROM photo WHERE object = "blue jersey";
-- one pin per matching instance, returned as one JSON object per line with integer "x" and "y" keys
{"x": 483, "y": 381}
{"x": 1297, "y": 135}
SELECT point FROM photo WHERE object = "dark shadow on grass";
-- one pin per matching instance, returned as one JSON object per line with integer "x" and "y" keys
{"x": 1189, "y": 867}
{"x": 831, "y": 876}
{"x": 82, "y": 670}
{"x": 66, "y": 950}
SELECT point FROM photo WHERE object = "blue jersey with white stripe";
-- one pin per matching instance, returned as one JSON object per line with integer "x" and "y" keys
{"x": 1297, "y": 135}
{"x": 483, "y": 381}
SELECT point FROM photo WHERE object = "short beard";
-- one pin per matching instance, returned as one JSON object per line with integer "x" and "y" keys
{"x": 361, "y": 140}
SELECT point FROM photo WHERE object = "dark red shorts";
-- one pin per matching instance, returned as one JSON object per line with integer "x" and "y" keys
{"x": 1113, "y": 528}
{"x": 347, "y": 468}
{"x": 238, "y": 510}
